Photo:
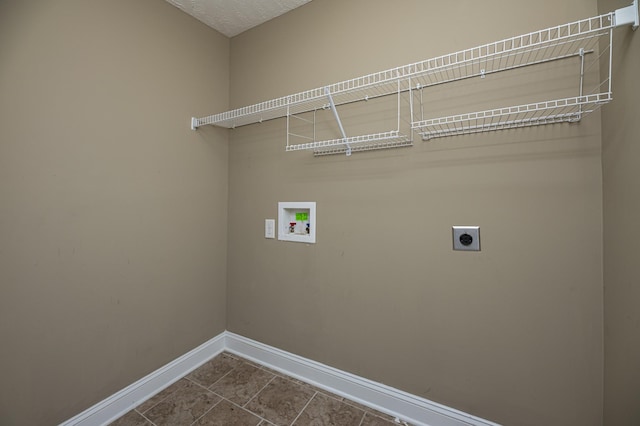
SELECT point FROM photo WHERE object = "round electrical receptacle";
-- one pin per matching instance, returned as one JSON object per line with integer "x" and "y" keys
{"x": 466, "y": 239}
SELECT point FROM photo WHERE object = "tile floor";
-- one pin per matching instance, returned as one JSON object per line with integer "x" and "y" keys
{"x": 231, "y": 391}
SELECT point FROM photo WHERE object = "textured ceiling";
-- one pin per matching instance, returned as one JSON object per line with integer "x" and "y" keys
{"x": 231, "y": 17}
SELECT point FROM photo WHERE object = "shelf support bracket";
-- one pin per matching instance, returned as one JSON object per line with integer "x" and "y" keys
{"x": 335, "y": 114}
{"x": 194, "y": 123}
{"x": 628, "y": 16}
{"x": 581, "y": 53}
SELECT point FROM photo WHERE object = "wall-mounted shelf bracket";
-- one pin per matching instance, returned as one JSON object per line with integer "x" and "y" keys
{"x": 332, "y": 105}
{"x": 194, "y": 123}
{"x": 628, "y": 16}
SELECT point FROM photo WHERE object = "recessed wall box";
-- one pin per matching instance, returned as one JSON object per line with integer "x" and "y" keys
{"x": 297, "y": 222}
{"x": 466, "y": 238}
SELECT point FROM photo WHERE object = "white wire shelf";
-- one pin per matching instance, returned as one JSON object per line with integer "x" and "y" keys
{"x": 381, "y": 138}
{"x": 547, "y": 112}
{"x": 358, "y": 89}
{"x": 384, "y": 140}
{"x": 538, "y": 47}
{"x": 376, "y": 145}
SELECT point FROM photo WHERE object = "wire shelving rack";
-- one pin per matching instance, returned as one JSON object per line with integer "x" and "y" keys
{"x": 589, "y": 40}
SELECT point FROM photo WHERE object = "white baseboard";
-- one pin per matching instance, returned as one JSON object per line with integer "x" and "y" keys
{"x": 122, "y": 401}
{"x": 406, "y": 407}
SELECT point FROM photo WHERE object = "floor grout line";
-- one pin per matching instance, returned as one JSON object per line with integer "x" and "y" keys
{"x": 305, "y": 407}
{"x": 205, "y": 413}
{"x": 362, "y": 419}
{"x": 243, "y": 388}
{"x": 147, "y": 419}
{"x": 198, "y": 384}
{"x": 225, "y": 375}
{"x": 244, "y": 409}
{"x": 162, "y": 400}
{"x": 258, "y": 393}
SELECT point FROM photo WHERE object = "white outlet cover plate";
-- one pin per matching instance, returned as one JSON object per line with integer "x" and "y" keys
{"x": 269, "y": 228}
{"x": 472, "y": 231}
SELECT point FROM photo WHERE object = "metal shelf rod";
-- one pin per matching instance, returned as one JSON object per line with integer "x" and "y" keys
{"x": 337, "y": 117}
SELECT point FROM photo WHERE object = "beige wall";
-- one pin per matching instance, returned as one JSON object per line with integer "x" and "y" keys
{"x": 620, "y": 152}
{"x": 112, "y": 211}
{"x": 513, "y": 333}
{"x": 113, "y": 219}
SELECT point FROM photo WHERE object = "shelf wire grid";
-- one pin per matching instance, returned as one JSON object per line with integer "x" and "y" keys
{"x": 535, "y": 47}
{"x": 399, "y": 136}
{"x": 570, "y": 40}
{"x": 547, "y": 112}
{"x": 562, "y": 42}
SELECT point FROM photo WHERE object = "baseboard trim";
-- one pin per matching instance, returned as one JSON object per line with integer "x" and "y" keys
{"x": 406, "y": 407}
{"x": 124, "y": 400}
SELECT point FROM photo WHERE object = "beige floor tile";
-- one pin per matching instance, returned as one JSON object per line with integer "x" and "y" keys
{"x": 310, "y": 386}
{"x": 315, "y": 388}
{"x": 183, "y": 407}
{"x": 162, "y": 395}
{"x": 326, "y": 411}
{"x": 132, "y": 418}
{"x": 280, "y": 401}
{"x": 245, "y": 360}
{"x": 269, "y": 399}
{"x": 228, "y": 414}
{"x": 242, "y": 383}
{"x": 370, "y": 410}
{"x": 373, "y": 420}
{"x": 212, "y": 371}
